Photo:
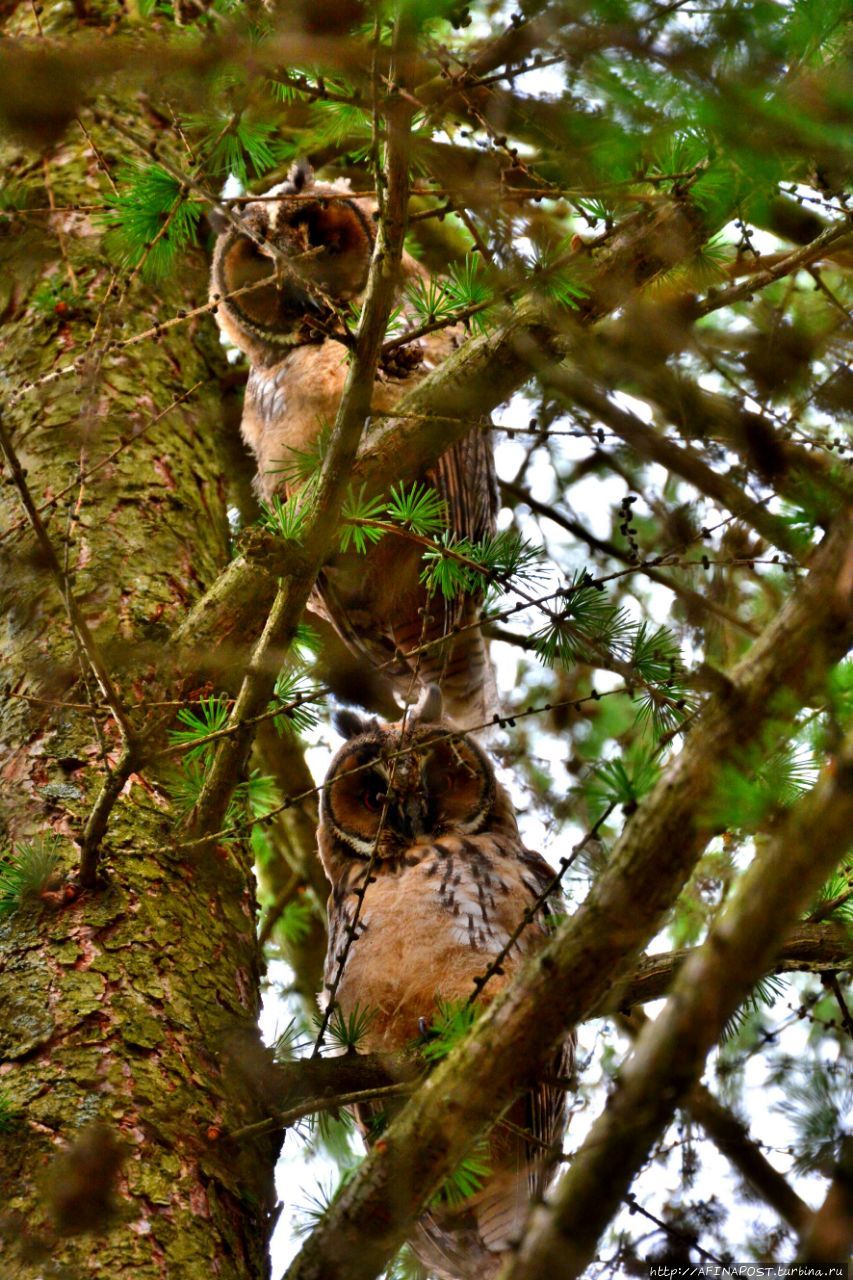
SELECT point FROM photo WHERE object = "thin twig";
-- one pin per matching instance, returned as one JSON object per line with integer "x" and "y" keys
{"x": 96, "y": 825}
{"x": 286, "y": 1118}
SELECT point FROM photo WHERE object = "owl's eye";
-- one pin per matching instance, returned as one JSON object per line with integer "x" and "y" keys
{"x": 458, "y": 782}
{"x": 373, "y": 796}
{"x": 341, "y": 229}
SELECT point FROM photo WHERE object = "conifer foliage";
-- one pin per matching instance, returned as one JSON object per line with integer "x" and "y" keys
{"x": 637, "y": 217}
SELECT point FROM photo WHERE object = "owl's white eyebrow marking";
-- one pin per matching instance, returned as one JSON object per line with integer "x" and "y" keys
{"x": 358, "y": 843}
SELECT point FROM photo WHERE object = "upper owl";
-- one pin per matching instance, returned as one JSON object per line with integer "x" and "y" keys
{"x": 281, "y": 273}
{"x": 311, "y": 242}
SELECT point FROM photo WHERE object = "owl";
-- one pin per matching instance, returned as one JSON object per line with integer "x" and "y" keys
{"x": 322, "y": 237}
{"x": 449, "y": 884}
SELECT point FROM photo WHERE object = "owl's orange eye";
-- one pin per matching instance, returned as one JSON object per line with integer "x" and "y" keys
{"x": 373, "y": 799}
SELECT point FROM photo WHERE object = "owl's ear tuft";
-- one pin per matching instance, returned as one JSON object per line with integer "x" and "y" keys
{"x": 349, "y": 724}
{"x": 217, "y": 219}
{"x": 429, "y": 706}
{"x": 299, "y": 175}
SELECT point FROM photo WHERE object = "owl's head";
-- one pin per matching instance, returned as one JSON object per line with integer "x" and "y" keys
{"x": 298, "y": 248}
{"x": 437, "y": 781}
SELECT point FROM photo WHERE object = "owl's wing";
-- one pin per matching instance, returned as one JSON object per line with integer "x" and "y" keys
{"x": 470, "y": 1242}
{"x": 464, "y": 476}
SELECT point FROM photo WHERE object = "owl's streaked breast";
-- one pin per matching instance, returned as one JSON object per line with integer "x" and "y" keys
{"x": 429, "y": 925}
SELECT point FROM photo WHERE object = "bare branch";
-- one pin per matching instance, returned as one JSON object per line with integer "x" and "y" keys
{"x": 671, "y": 1051}
{"x": 828, "y": 1239}
{"x": 808, "y": 948}
{"x": 837, "y": 234}
{"x": 653, "y": 446}
{"x": 692, "y": 599}
{"x": 731, "y": 1136}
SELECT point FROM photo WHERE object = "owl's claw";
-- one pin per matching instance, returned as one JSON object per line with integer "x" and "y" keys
{"x": 425, "y": 1030}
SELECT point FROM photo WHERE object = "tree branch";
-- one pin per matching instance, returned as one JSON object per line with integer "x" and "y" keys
{"x": 808, "y": 948}
{"x": 670, "y": 1052}
{"x": 653, "y": 446}
{"x": 837, "y": 234}
{"x": 731, "y": 1136}
{"x": 732, "y": 1139}
{"x": 650, "y": 864}
{"x": 693, "y": 599}
{"x": 828, "y": 1238}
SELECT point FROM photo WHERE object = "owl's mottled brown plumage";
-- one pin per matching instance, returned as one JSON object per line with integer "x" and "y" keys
{"x": 297, "y": 376}
{"x": 450, "y": 883}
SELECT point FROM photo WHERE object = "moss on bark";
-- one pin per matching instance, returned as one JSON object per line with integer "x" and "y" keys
{"x": 134, "y": 1006}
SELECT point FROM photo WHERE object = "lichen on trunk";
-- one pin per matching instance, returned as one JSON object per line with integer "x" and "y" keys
{"x": 128, "y": 1041}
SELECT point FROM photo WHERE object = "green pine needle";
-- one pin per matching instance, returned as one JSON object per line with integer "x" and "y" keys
{"x": 26, "y": 872}
{"x": 347, "y": 1030}
{"x": 232, "y": 143}
{"x": 430, "y": 300}
{"x": 337, "y": 122}
{"x": 818, "y": 1104}
{"x": 185, "y": 786}
{"x": 304, "y": 464}
{"x": 289, "y": 519}
{"x": 293, "y": 686}
{"x": 622, "y": 782}
{"x": 359, "y": 516}
{"x": 505, "y": 558}
{"x": 210, "y": 716}
{"x": 306, "y": 642}
{"x": 466, "y": 1179}
{"x": 551, "y": 277}
{"x": 466, "y": 287}
{"x": 451, "y": 1022}
{"x": 587, "y": 620}
{"x": 332, "y": 1132}
{"x": 764, "y": 994}
{"x": 259, "y": 794}
{"x": 294, "y": 924}
{"x": 752, "y": 792}
{"x": 148, "y": 200}
{"x": 404, "y": 1266}
{"x": 312, "y": 1210}
{"x": 839, "y": 885}
{"x": 286, "y": 1043}
{"x": 421, "y": 509}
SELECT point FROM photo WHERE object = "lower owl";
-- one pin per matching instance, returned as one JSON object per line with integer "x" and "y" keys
{"x": 285, "y": 320}
{"x": 450, "y": 882}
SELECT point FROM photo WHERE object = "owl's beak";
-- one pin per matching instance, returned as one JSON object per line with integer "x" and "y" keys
{"x": 410, "y": 819}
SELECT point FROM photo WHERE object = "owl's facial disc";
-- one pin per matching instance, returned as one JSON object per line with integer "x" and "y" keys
{"x": 354, "y": 795}
{"x": 274, "y": 308}
{"x": 341, "y": 230}
{"x": 459, "y": 780}
{"x": 441, "y": 786}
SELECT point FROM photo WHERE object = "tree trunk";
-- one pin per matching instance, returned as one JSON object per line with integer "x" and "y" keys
{"x": 128, "y": 1010}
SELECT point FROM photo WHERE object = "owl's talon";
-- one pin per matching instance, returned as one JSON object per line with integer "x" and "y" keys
{"x": 426, "y": 1031}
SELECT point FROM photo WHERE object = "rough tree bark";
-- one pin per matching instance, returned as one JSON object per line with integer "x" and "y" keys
{"x": 120, "y": 1006}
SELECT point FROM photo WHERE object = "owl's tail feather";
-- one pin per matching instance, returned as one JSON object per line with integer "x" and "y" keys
{"x": 461, "y": 667}
{"x": 454, "y": 1253}
{"x": 471, "y": 1241}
